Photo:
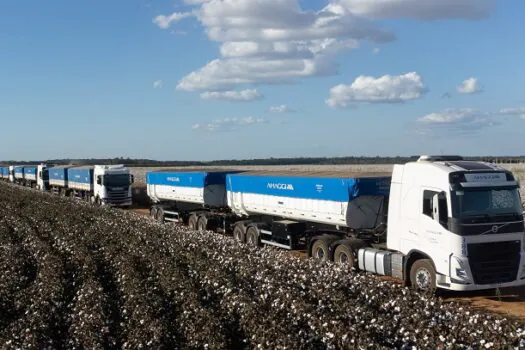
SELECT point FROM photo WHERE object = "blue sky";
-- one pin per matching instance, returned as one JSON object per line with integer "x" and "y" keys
{"x": 221, "y": 79}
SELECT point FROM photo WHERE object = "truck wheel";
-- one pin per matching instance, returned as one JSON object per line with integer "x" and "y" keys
{"x": 423, "y": 276}
{"x": 239, "y": 234}
{"x": 320, "y": 250}
{"x": 343, "y": 254}
{"x": 159, "y": 215}
{"x": 153, "y": 212}
{"x": 202, "y": 223}
{"x": 252, "y": 236}
{"x": 192, "y": 222}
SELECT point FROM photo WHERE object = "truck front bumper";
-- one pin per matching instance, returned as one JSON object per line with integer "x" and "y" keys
{"x": 461, "y": 278}
{"x": 117, "y": 202}
{"x": 444, "y": 282}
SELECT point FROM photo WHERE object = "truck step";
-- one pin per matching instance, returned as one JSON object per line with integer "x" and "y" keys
{"x": 276, "y": 244}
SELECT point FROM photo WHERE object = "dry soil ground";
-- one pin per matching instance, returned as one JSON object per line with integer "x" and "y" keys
{"x": 81, "y": 277}
{"x": 508, "y": 302}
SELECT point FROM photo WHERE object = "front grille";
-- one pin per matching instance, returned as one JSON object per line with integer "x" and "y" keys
{"x": 494, "y": 262}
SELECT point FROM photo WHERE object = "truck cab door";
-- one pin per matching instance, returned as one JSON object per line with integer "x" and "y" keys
{"x": 433, "y": 226}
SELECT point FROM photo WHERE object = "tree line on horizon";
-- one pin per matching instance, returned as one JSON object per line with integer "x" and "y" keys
{"x": 350, "y": 160}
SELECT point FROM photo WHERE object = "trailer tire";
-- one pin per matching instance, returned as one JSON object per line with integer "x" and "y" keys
{"x": 239, "y": 234}
{"x": 153, "y": 212}
{"x": 252, "y": 236}
{"x": 159, "y": 215}
{"x": 202, "y": 223}
{"x": 192, "y": 222}
{"x": 321, "y": 250}
{"x": 344, "y": 254}
{"x": 423, "y": 276}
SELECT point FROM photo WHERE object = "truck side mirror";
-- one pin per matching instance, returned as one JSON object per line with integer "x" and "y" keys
{"x": 435, "y": 207}
{"x": 439, "y": 208}
{"x": 131, "y": 178}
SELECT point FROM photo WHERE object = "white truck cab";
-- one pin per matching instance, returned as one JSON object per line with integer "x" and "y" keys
{"x": 459, "y": 224}
{"x": 11, "y": 173}
{"x": 42, "y": 179}
{"x": 113, "y": 185}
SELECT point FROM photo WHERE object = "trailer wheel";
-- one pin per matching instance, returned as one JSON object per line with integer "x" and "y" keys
{"x": 423, "y": 276}
{"x": 343, "y": 254}
{"x": 192, "y": 222}
{"x": 239, "y": 234}
{"x": 320, "y": 250}
{"x": 252, "y": 237}
{"x": 159, "y": 215}
{"x": 202, "y": 223}
{"x": 153, "y": 212}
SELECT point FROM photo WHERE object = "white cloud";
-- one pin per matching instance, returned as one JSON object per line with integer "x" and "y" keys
{"x": 228, "y": 124}
{"x": 243, "y": 95}
{"x": 275, "y": 41}
{"x": 456, "y": 120}
{"x": 513, "y": 111}
{"x": 195, "y": 2}
{"x": 470, "y": 86}
{"x": 165, "y": 22}
{"x": 385, "y": 89}
{"x": 281, "y": 109}
{"x": 421, "y": 9}
{"x": 157, "y": 84}
{"x": 280, "y": 42}
{"x": 376, "y": 50}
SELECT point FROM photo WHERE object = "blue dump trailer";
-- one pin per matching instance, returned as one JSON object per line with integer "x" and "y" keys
{"x": 276, "y": 208}
{"x": 4, "y": 173}
{"x": 19, "y": 174}
{"x": 179, "y": 196}
{"x": 80, "y": 178}
{"x": 58, "y": 180}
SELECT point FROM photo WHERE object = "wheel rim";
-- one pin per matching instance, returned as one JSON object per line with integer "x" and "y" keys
{"x": 343, "y": 258}
{"x": 319, "y": 253}
{"x": 423, "y": 279}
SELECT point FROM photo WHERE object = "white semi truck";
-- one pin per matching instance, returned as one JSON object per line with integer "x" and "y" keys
{"x": 438, "y": 222}
{"x": 100, "y": 184}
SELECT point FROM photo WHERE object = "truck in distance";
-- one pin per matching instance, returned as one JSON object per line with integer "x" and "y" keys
{"x": 34, "y": 176}
{"x": 99, "y": 184}
{"x": 438, "y": 222}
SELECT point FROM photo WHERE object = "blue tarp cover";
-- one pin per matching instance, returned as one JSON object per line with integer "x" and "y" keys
{"x": 186, "y": 179}
{"x": 321, "y": 188}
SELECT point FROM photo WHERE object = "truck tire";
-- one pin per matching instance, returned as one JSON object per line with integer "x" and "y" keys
{"x": 192, "y": 222}
{"x": 153, "y": 212}
{"x": 252, "y": 236}
{"x": 344, "y": 254}
{"x": 159, "y": 215}
{"x": 202, "y": 223}
{"x": 320, "y": 250}
{"x": 239, "y": 234}
{"x": 423, "y": 276}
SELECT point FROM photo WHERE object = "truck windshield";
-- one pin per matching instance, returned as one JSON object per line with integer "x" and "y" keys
{"x": 486, "y": 202}
{"x": 118, "y": 180}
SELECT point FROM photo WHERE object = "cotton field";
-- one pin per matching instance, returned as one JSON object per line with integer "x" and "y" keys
{"x": 78, "y": 276}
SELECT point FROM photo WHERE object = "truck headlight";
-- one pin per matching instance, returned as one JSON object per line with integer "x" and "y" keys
{"x": 458, "y": 271}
